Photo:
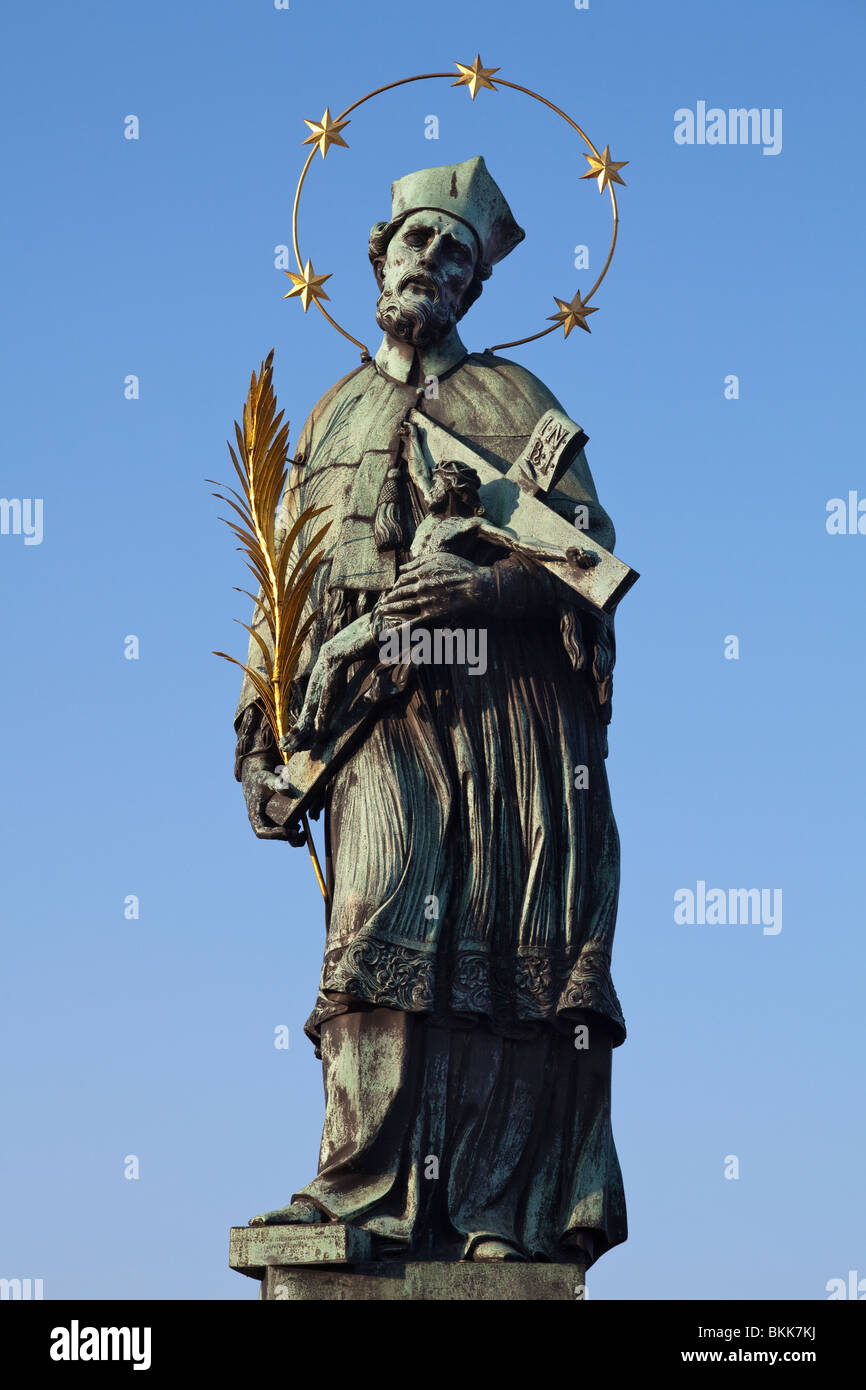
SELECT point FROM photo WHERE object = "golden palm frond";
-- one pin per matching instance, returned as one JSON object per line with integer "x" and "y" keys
{"x": 261, "y": 466}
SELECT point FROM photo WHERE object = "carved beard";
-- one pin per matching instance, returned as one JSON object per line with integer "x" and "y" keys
{"x": 413, "y": 320}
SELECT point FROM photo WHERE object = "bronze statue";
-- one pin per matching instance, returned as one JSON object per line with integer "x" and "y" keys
{"x": 466, "y": 1013}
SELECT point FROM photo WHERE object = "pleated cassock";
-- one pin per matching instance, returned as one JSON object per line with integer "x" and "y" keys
{"x": 466, "y": 1012}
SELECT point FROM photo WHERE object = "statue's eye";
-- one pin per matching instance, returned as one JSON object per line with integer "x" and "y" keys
{"x": 458, "y": 251}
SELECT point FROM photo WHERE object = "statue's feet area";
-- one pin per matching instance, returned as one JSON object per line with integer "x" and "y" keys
{"x": 297, "y": 1213}
{"x": 491, "y": 1249}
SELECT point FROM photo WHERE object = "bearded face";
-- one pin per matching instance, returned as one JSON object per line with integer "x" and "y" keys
{"x": 428, "y": 267}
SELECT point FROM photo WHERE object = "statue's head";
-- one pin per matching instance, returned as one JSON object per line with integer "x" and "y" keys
{"x": 429, "y": 270}
{"x": 449, "y": 226}
{"x": 454, "y": 488}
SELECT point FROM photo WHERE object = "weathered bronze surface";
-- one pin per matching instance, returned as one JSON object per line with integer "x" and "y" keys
{"x": 466, "y": 1014}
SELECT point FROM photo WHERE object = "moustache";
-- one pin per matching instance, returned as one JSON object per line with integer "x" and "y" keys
{"x": 419, "y": 280}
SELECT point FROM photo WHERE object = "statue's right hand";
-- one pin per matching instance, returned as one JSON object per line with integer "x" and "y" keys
{"x": 259, "y": 783}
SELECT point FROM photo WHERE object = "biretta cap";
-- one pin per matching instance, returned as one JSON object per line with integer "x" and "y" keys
{"x": 465, "y": 191}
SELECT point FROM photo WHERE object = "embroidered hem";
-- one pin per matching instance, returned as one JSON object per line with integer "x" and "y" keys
{"x": 530, "y": 986}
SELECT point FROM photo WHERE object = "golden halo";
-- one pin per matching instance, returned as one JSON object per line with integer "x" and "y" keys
{"x": 308, "y": 286}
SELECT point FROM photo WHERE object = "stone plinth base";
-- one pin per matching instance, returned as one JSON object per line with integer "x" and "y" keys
{"x": 313, "y": 1263}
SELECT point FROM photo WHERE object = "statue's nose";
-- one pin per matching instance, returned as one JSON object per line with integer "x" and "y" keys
{"x": 431, "y": 253}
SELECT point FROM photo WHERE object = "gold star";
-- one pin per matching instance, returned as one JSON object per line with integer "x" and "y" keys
{"x": 475, "y": 77}
{"x": 325, "y": 132}
{"x": 604, "y": 168}
{"x": 307, "y": 285}
{"x": 572, "y": 315}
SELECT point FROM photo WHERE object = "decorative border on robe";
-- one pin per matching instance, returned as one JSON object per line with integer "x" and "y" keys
{"x": 526, "y": 986}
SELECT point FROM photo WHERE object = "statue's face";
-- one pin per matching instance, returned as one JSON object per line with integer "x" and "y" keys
{"x": 439, "y": 493}
{"x": 428, "y": 267}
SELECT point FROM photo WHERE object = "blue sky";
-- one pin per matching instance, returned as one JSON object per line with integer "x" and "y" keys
{"x": 155, "y": 257}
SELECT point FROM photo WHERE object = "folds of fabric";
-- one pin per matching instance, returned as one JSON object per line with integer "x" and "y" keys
{"x": 438, "y": 1136}
{"x": 475, "y": 853}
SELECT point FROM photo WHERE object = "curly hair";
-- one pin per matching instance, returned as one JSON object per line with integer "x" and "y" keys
{"x": 462, "y": 479}
{"x": 380, "y": 236}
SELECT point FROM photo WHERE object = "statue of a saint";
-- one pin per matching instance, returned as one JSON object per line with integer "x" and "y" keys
{"x": 466, "y": 1014}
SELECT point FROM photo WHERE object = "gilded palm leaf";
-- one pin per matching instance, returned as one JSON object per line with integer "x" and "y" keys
{"x": 261, "y": 466}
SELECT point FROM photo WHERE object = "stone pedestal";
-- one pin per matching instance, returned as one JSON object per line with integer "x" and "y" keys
{"x": 313, "y": 1263}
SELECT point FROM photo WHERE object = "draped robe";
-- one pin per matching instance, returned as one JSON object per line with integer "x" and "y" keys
{"x": 473, "y": 864}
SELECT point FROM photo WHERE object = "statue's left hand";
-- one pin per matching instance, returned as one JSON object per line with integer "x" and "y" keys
{"x": 437, "y": 586}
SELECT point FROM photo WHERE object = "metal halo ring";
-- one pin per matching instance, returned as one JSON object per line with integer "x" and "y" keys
{"x": 308, "y": 285}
